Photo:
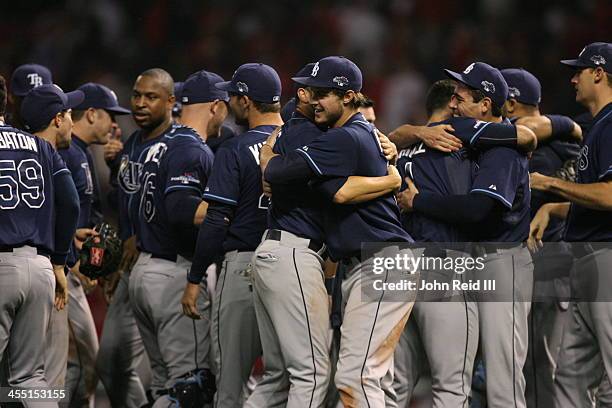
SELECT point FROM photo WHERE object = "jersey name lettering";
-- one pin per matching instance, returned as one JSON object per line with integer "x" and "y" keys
{"x": 254, "y": 149}
{"x": 16, "y": 141}
{"x": 412, "y": 151}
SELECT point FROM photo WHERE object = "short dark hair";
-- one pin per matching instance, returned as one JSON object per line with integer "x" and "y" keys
{"x": 478, "y": 96}
{"x": 439, "y": 95}
{"x": 267, "y": 107}
{"x": 163, "y": 77}
{"x": 78, "y": 115}
{"x": 2, "y": 96}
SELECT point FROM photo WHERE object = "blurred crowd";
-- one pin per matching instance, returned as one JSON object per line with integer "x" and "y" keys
{"x": 402, "y": 45}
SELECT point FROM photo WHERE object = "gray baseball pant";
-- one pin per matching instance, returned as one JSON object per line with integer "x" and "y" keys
{"x": 56, "y": 348}
{"x": 292, "y": 308}
{"x": 81, "y": 378}
{"x": 503, "y": 322}
{"x": 370, "y": 332}
{"x": 234, "y": 334}
{"x": 27, "y": 291}
{"x": 121, "y": 351}
{"x": 585, "y": 358}
{"x": 172, "y": 340}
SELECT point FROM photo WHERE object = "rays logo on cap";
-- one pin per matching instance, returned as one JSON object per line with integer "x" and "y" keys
{"x": 242, "y": 87}
{"x": 340, "y": 81}
{"x": 469, "y": 68}
{"x": 598, "y": 60}
{"x": 315, "y": 70}
{"x": 514, "y": 92}
{"x": 276, "y": 98}
{"x": 488, "y": 87}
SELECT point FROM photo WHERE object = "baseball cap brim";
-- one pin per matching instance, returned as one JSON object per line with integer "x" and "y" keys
{"x": 227, "y": 86}
{"x": 458, "y": 77}
{"x": 576, "y": 63}
{"x": 118, "y": 110}
{"x": 74, "y": 99}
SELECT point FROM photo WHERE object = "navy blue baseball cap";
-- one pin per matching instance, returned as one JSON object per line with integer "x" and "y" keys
{"x": 178, "y": 90}
{"x": 522, "y": 86}
{"x": 597, "y": 54}
{"x": 333, "y": 72}
{"x": 258, "y": 81}
{"x": 29, "y": 76}
{"x": 200, "y": 88}
{"x": 485, "y": 78}
{"x": 99, "y": 96}
{"x": 42, "y": 103}
{"x": 288, "y": 109}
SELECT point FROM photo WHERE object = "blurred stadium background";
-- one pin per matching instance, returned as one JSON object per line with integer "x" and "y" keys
{"x": 401, "y": 45}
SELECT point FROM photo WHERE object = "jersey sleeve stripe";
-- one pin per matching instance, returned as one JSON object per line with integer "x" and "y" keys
{"x": 307, "y": 156}
{"x": 475, "y": 137}
{"x": 61, "y": 171}
{"x": 604, "y": 174}
{"x": 494, "y": 195}
{"x": 172, "y": 188}
{"x": 219, "y": 198}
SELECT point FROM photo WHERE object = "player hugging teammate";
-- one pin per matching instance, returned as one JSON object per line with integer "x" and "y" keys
{"x": 243, "y": 276}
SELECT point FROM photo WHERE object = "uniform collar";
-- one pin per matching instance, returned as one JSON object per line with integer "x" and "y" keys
{"x": 603, "y": 112}
{"x": 357, "y": 117}
{"x": 79, "y": 142}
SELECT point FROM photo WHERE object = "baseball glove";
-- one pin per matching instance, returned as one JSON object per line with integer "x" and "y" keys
{"x": 101, "y": 254}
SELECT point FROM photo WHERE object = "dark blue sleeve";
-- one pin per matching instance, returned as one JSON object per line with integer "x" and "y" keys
{"x": 604, "y": 152}
{"x": 498, "y": 174}
{"x": 66, "y": 215}
{"x": 187, "y": 168}
{"x": 211, "y": 236}
{"x": 328, "y": 187}
{"x": 481, "y": 134}
{"x": 334, "y": 154}
{"x": 224, "y": 183}
{"x": 287, "y": 169}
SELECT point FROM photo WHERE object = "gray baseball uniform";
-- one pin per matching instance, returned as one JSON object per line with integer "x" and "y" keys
{"x": 121, "y": 353}
{"x": 173, "y": 341}
{"x": 81, "y": 378}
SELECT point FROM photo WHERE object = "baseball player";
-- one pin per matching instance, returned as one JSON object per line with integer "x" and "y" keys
{"x": 24, "y": 78}
{"x": 46, "y": 112}
{"x": 350, "y": 148}
{"x": 234, "y": 224}
{"x": 173, "y": 176}
{"x": 93, "y": 120}
{"x": 289, "y": 277}
{"x": 554, "y": 156}
{"x": 37, "y": 222}
{"x": 498, "y": 207}
{"x": 367, "y": 110}
{"x": 436, "y": 172}
{"x": 586, "y": 351}
{"x": 121, "y": 347}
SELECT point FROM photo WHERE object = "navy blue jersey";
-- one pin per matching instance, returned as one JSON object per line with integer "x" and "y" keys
{"x": 27, "y": 210}
{"x": 594, "y": 165}
{"x": 180, "y": 160}
{"x": 443, "y": 174}
{"x": 502, "y": 173}
{"x": 296, "y": 208}
{"x": 128, "y": 178}
{"x": 77, "y": 162}
{"x": 236, "y": 180}
{"x": 354, "y": 149}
